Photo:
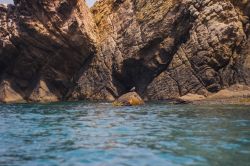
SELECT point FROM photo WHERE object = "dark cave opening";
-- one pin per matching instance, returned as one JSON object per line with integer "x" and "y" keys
{"x": 134, "y": 74}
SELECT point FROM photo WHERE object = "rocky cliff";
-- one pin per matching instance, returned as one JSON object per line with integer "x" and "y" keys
{"x": 62, "y": 50}
{"x": 44, "y": 44}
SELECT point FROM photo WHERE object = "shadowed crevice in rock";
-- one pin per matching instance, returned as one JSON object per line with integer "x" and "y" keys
{"x": 154, "y": 58}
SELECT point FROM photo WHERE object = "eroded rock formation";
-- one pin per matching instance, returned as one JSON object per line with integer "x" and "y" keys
{"x": 44, "y": 44}
{"x": 60, "y": 50}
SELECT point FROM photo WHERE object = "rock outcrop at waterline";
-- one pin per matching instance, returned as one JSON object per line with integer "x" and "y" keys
{"x": 61, "y": 50}
{"x": 129, "y": 99}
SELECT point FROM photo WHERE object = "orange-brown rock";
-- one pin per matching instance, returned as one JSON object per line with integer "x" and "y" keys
{"x": 129, "y": 99}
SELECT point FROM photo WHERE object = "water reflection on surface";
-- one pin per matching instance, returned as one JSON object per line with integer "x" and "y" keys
{"x": 99, "y": 134}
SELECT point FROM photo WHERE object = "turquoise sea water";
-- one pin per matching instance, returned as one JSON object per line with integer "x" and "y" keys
{"x": 97, "y": 134}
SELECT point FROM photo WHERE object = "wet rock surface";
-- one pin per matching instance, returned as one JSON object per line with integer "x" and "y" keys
{"x": 129, "y": 99}
{"x": 165, "y": 48}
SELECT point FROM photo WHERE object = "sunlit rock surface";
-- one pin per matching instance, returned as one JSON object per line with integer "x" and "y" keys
{"x": 129, "y": 99}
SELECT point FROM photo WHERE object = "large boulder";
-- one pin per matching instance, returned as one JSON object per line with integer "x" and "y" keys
{"x": 129, "y": 99}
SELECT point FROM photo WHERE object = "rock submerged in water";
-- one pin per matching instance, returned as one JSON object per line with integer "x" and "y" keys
{"x": 129, "y": 99}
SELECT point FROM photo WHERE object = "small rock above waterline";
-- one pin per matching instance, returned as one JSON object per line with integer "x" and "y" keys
{"x": 129, "y": 99}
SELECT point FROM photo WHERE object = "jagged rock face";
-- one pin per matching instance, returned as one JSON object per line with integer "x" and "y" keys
{"x": 207, "y": 61}
{"x": 47, "y": 42}
{"x": 164, "y": 48}
{"x": 137, "y": 42}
